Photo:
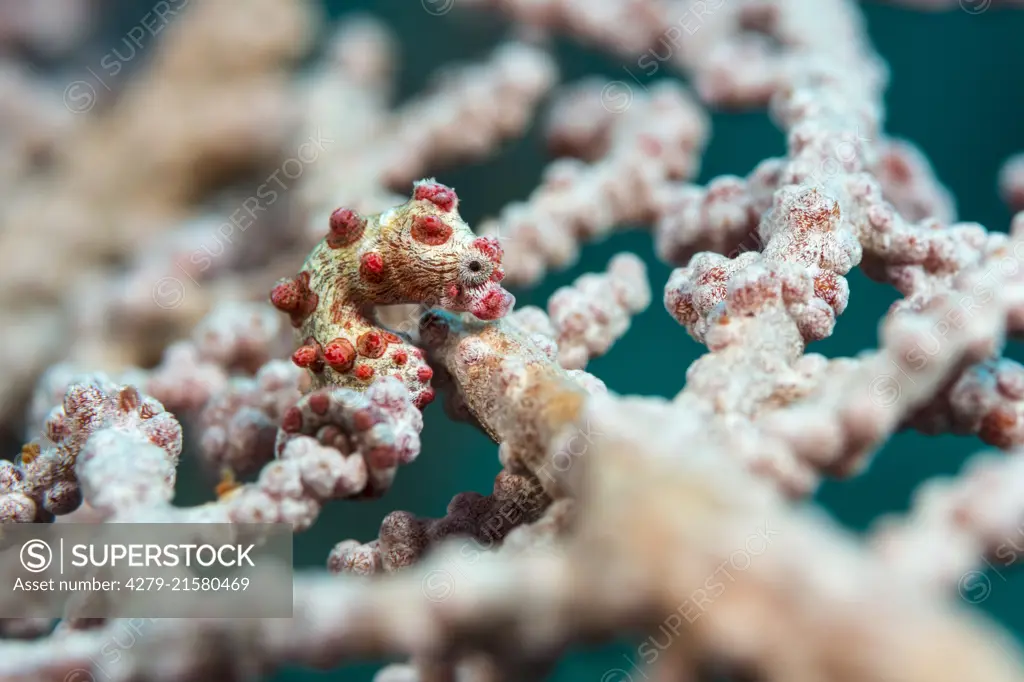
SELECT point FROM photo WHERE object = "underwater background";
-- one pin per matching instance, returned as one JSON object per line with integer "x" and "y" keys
{"x": 956, "y": 90}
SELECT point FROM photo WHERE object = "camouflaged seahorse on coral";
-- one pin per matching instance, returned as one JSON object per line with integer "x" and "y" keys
{"x": 419, "y": 252}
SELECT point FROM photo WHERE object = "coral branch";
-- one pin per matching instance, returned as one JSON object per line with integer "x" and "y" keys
{"x": 1011, "y": 182}
{"x": 585, "y": 319}
{"x": 652, "y": 138}
{"x": 909, "y": 183}
{"x": 854, "y": 413}
{"x": 722, "y": 218}
{"x": 46, "y": 482}
{"x": 484, "y": 520}
{"x": 518, "y": 394}
{"x": 987, "y": 399}
{"x": 956, "y": 523}
{"x": 380, "y": 426}
{"x": 810, "y": 582}
{"x": 238, "y": 427}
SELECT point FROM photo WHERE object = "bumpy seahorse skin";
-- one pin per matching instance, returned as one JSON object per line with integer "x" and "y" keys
{"x": 419, "y": 252}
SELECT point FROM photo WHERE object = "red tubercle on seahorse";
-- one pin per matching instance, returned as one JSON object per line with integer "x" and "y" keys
{"x": 340, "y": 354}
{"x": 346, "y": 228}
{"x": 309, "y": 356}
{"x": 424, "y": 398}
{"x": 371, "y": 267}
{"x": 440, "y": 195}
{"x": 294, "y": 297}
{"x": 292, "y": 420}
{"x": 372, "y": 344}
{"x": 319, "y": 403}
{"x": 430, "y": 230}
{"x": 490, "y": 248}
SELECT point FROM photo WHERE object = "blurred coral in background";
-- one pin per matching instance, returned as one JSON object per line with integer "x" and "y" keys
{"x": 228, "y": 258}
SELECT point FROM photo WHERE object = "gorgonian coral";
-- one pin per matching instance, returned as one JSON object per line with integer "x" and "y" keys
{"x": 682, "y": 519}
